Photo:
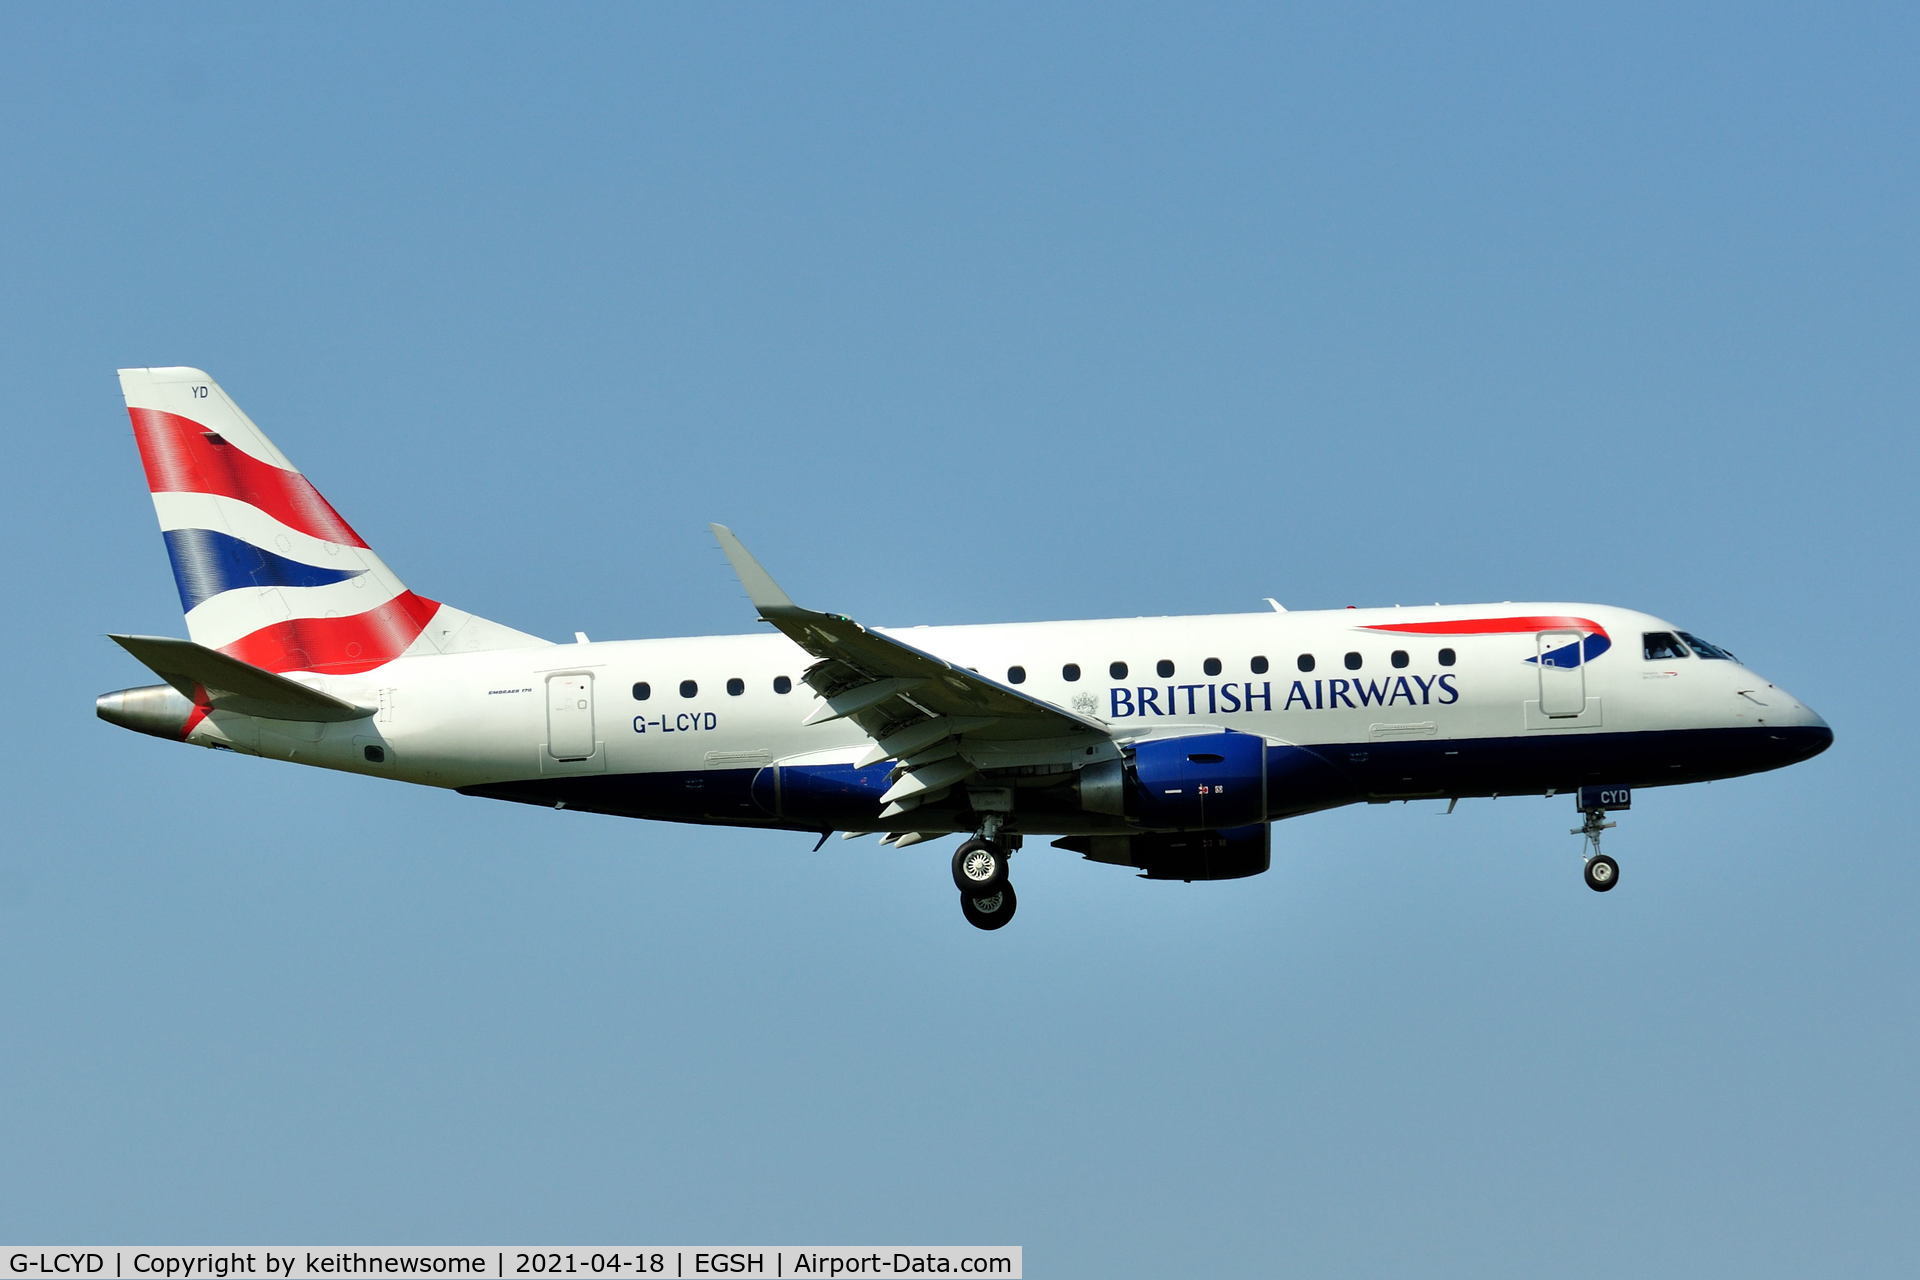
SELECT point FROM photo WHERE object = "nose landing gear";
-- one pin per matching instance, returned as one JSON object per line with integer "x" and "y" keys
{"x": 1602, "y": 872}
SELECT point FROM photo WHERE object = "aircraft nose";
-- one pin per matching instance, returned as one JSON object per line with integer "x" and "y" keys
{"x": 1798, "y": 729}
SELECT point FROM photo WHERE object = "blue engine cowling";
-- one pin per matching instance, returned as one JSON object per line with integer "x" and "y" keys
{"x": 1204, "y": 782}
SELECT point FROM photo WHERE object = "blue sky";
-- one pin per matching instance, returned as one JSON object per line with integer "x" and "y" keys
{"x": 976, "y": 313}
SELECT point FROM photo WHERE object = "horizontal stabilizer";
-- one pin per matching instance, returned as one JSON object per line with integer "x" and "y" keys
{"x": 228, "y": 684}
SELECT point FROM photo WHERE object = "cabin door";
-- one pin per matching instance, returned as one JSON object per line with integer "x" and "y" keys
{"x": 570, "y": 716}
{"x": 1563, "y": 675}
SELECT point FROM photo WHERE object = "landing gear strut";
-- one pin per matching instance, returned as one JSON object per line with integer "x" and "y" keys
{"x": 980, "y": 874}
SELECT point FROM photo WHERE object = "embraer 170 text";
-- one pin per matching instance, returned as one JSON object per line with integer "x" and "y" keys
{"x": 1163, "y": 744}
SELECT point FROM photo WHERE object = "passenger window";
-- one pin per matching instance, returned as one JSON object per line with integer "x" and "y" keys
{"x": 1353, "y": 662}
{"x": 1211, "y": 666}
{"x": 1702, "y": 649}
{"x": 782, "y": 684}
{"x": 1661, "y": 646}
{"x": 1164, "y": 667}
{"x": 1117, "y": 670}
{"x": 1070, "y": 672}
{"x": 1446, "y": 657}
{"x": 642, "y": 691}
{"x": 736, "y": 687}
{"x": 1304, "y": 662}
{"x": 1259, "y": 664}
{"x": 688, "y": 688}
{"x": 1399, "y": 657}
{"x": 1016, "y": 675}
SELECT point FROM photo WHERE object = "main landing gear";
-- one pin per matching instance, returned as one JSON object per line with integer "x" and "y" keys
{"x": 987, "y": 899}
{"x": 1602, "y": 872}
{"x": 992, "y": 911}
{"x": 979, "y": 867}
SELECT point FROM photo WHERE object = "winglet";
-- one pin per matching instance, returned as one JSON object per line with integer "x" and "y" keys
{"x": 765, "y": 593}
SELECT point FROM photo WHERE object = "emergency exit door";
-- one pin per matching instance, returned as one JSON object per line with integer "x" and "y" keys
{"x": 1563, "y": 673}
{"x": 570, "y": 716}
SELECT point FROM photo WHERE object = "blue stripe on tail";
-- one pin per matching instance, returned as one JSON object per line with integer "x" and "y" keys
{"x": 206, "y": 562}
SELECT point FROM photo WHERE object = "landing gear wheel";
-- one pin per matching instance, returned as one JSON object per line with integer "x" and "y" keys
{"x": 992, "y": 911}
{"x": 979, "y": 868}
{"x": 1602, "y": 873}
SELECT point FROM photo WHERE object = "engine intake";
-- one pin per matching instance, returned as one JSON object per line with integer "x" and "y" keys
{"x": 1206, "y": 781}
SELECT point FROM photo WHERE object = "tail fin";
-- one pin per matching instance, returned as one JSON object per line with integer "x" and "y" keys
{"x": 268, "y": 571}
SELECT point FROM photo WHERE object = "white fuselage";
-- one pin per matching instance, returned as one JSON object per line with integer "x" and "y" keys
{"x": 1397, "y": 712}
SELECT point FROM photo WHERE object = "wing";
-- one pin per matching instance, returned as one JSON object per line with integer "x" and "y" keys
{"x": 947, "y": 725}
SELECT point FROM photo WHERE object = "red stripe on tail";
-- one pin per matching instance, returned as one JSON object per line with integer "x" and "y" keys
{"x": 340, "y": 646}
{"x": 202, "y": 708}
{"x": 180, "y": 458}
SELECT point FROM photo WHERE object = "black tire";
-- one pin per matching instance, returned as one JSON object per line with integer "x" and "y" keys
{"x": 1602, "y": 873}
{"x": 994, "y": 916}
{"x": 979, "y": 868}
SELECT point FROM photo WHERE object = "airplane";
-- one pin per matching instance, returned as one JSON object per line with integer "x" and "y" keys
{"x": 1167, "y": 745}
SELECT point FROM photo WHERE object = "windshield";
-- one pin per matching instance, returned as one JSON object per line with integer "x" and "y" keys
{"x": 1705, "y": 650}
{"x": 1661, "y": 645}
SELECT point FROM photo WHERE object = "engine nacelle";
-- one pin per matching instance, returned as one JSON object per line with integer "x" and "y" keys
{"x": 1182, "y": 855}
{"x": 1204, "y": 782}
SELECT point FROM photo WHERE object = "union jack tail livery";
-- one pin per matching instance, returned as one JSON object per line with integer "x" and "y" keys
{"x": 268, "y": 571}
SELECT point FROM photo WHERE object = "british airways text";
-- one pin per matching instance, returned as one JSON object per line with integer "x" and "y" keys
{"x": 1301, "y": 695}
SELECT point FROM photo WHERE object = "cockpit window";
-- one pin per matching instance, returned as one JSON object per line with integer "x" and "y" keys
{"x": 1662, "y": 645}
{"x": 1706, "y": 650}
